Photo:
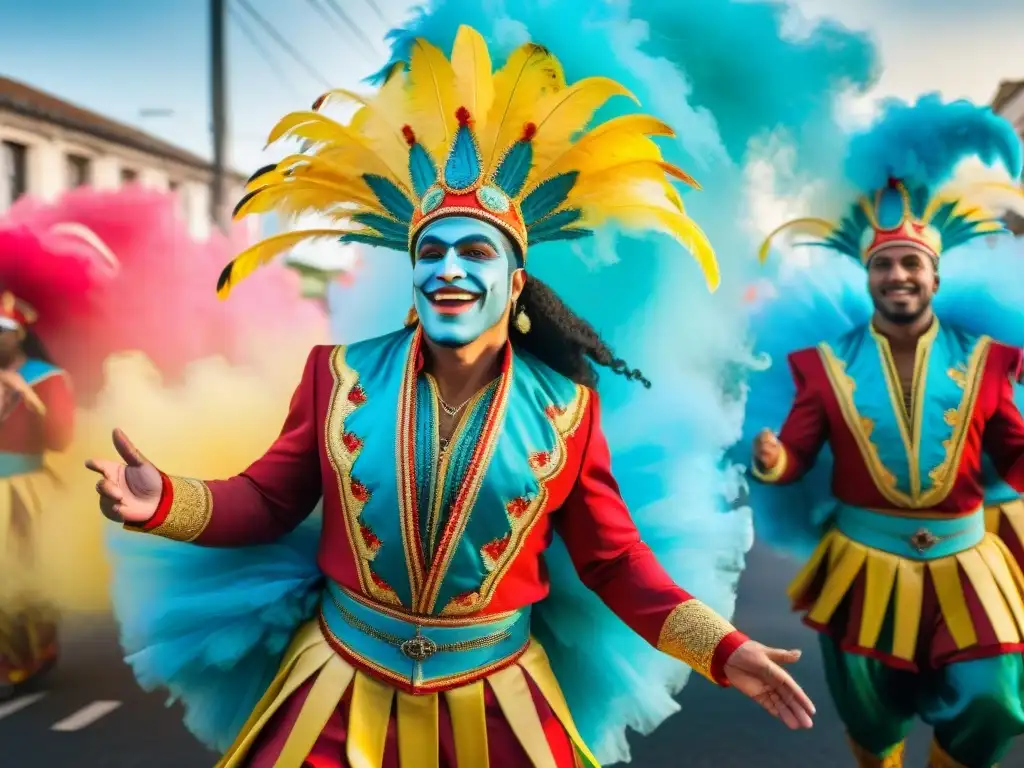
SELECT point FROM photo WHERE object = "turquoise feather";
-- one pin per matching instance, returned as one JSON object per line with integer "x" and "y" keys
{"x": 555, "y": 222}
{"x": 421, "y": 169}
{"x": 384, "y": 225}
{"x": 390, "y": 196}
{"x": 560, "y": 234}
{"x": 463, "y": 167}
{"x": 547, "y": 197}
{"x": 379, "y": 241}
{"x": 514, "y": 169}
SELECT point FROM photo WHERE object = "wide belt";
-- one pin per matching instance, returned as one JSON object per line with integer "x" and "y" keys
{"x": 14, "y": 464}
{"x": 421, "y": 652}
{"x": 924, "y": 536}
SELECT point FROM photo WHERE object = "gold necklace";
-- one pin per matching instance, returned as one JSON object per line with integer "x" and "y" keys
{"x": 451, "y": 411}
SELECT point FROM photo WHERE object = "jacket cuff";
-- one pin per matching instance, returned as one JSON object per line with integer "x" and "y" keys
{"x": 184, "y": 510}
{"x": 776, "y": 473}
{"x": 699, "y": 637}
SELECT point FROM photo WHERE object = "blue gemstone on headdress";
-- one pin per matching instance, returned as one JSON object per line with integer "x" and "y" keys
{"x": 431, "y": 200}
{"x": 493, "y": 199}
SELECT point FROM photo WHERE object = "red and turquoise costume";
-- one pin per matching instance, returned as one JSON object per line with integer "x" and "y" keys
{"x": 917, "y": 600}
{"x": 407, "y": 624}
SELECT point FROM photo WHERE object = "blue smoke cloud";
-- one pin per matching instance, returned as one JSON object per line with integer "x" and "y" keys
{"x": 923, "y": 142}
{"x": 724, "y": 75}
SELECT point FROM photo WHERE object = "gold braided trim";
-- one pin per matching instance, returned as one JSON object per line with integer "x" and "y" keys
{"x": 190, "y": 512}
{"x": 867, "y": 759}
{"x": 939, "y": 758}
{"x": 692, "y": 633}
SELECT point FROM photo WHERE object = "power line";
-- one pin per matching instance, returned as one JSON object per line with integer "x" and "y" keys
{"x": 326, "y": 16}
{"x": 380, "y": 14}
{"x": 281, "y": 41}
{"x": 254, "y": 41}
{"x": 333, "y": 5}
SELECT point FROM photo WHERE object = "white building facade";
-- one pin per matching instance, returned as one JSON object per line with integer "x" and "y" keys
{"x": 1009, "y": 103}
{"x": 48, "y": 146}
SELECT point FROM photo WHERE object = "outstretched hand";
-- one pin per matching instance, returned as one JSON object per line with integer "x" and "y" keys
{"x": 755, "y": 671}
{"x": 129, "y": 491}
{"x": 767, "y": 449}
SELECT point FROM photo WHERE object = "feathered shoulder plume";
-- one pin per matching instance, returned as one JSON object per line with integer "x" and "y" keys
{"x": 452, "y": 136}
{"x": 904, "y": 167}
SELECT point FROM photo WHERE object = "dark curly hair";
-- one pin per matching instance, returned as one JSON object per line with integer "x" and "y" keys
{"x": 33, "y": 346}
{"x": 562, "y": 339}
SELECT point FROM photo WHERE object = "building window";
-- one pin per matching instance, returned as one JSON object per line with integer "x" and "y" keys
{"x": 129, "y": 175}
{"x": 13, "y": 172}
{"x": 79, "y": 171}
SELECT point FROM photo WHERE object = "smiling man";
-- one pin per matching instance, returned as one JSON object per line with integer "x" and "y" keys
{"x": 917, "y": 600}
{"x": 448, "y": 453}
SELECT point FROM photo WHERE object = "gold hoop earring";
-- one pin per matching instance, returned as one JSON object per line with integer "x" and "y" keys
{"x": 411, "y": 317}
{"x": 522, "y": 320}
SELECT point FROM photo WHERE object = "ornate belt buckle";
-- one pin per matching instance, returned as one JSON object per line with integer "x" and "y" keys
{"x": 418, "y": 648}
{"x": 923, "y": 540}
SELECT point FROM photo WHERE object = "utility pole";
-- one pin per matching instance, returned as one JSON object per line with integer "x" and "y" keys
{"x": 219, "y": 111}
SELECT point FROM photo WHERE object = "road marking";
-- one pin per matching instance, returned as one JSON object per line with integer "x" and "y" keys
{"x": 16, "y": 705}
{"x": 86, "y": 716}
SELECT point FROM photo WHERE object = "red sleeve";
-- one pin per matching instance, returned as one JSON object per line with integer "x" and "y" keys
{"x": 806, "y": 427}
{"x": 59, "y": 414}
{"x": 1004, "y": 432}
{"x": 264, "y": 502}
{"x": 614, "y": 562}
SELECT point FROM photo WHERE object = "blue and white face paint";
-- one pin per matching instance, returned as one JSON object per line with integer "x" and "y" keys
{"x": 462, "y": 279}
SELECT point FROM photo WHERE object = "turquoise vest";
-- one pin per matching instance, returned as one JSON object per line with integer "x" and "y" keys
{"x": 462, "y": 518}
{"x": 913, "y": 458}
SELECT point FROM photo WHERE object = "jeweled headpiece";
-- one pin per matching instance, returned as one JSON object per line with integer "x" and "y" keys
{"x": 452, "y": 138}
{"x": 906, "y": 161}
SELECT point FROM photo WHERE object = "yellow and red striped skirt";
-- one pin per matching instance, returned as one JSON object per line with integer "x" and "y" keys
{"x": 324, "y": 712}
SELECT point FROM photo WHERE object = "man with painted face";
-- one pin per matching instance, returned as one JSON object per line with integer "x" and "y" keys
{"x": 917, "y": 601}
{"x": 449, "y": 452}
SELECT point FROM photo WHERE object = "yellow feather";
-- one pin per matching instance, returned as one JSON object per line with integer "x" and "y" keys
{"x": 321, "y": 126}
{"x": 264, "y": 252}
{"x": 530, "y": 73}
{"x": 673, "y": 223}
{"x": 806, "y": 226}
{"x": 325, "y": 167}
{"x": 562, "y": 115}
{"x": 328, "y": 135}
{"x": 637, "y": 181}
{"x": 474, "y": 81}
{"x": 431, "y": 98}
{"x": 618, "y": 140}
{"x": 996, "y": 195}
{"x": 304, "y": 194}
{"x": 379, "y": 120}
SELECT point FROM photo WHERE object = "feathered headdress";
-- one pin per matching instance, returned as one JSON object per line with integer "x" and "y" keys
{"x": 452, "y": 138}
{"x": 904, "y": 165}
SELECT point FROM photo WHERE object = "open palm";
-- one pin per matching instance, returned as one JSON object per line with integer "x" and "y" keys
{"x": 756, "y": 671}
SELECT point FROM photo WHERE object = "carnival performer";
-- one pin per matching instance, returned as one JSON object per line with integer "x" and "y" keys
{"x": 44, "y": 290}
{"x": 447, "y": 453}
{"x": 918, "y": 607}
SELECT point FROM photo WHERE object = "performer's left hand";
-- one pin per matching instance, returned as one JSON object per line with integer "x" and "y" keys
{"x": 755, "y": 670}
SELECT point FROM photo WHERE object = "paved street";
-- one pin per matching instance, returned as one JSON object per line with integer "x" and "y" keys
{"x": 92, "y": 715}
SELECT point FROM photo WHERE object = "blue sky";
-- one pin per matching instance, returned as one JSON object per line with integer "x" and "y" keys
{"x": 122, "y": 56}
{"x": 118, "y": 57}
